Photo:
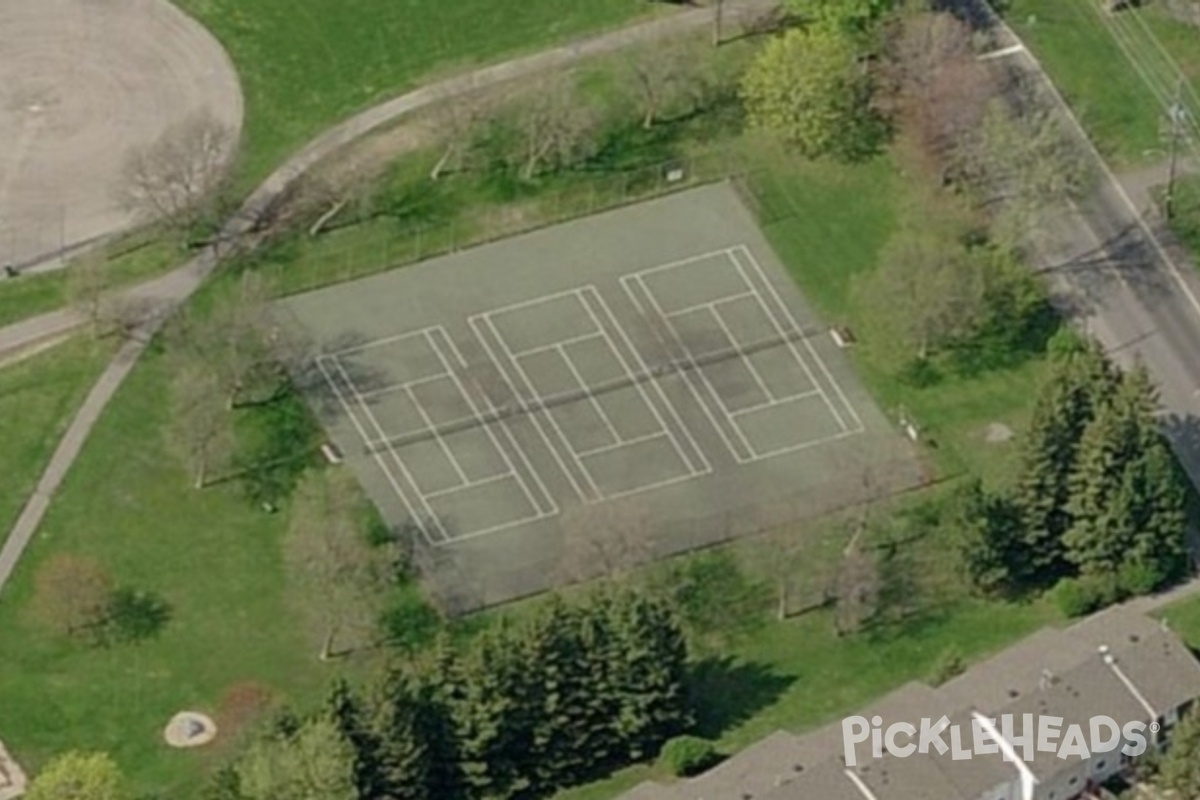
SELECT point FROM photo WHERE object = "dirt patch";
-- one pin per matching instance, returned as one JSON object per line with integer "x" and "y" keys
{"x": 241, "y": 705}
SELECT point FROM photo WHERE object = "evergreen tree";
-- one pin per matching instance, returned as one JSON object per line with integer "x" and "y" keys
{"x": 991, "y": 544}
{"x": 1080, "y": 379}
{"x": 408, "y": 726}
{"x": 1179, "y": 771}
{"x": 650, "y": 676}
{"x": 345, "y": 710}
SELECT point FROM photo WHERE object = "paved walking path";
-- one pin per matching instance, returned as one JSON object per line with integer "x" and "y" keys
{"x": 171, "y": 290}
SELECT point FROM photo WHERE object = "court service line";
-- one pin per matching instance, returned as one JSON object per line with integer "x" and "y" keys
{"x": 399, "y": 462}
{"x": 796, "y": 325}
{"x": 696, "y": 369}
{"x": 377, "y": 456}
{"x": 627, "y": 283}
{"x": 529, "y": 386}
{"x": 781, "y": 330}
{"x": 490, "y": 434}
{"x": 670, "y": 406}
{"x": 592, "y": 400}
{"x": 745, "y": 359}
{"x": 598, "y": 299}
{"x": 476, "y": 323}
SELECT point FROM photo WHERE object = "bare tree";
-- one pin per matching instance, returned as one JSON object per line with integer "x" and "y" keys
{"x": 555, "y": 126}
{"x": 935, "y": 86}
{"x": 175, "y": 179}
{"x": 605, "y": 540}
{"x": 856, "y": 589}
{"x": 665, "y": 74}
{"x": 338, "y": 578}
{"x": 456, "y": 121}
{"x": 200, "y": 423}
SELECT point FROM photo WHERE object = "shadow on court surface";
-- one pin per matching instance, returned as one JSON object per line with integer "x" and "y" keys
{"x": 576, "y": 401}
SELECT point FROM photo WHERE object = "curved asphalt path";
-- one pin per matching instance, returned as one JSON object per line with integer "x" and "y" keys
{"x": 167, "y": 293}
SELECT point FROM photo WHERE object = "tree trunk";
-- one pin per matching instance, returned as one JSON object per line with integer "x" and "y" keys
{"x": 440, "y": 166}
{"x": 327, "y": 644}
{"x": 201, "y": 472}
{"x": 781, "y": 611}
{"x": 718, "y": 10}
{"x": 333, "y": 211}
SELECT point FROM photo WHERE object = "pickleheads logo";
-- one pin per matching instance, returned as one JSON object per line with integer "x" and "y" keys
{"x": 1015, "y": 738}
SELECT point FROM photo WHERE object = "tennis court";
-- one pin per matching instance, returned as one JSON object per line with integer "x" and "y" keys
{"x": 506, "y": 404}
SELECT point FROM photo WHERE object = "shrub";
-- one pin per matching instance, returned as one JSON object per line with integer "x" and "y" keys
{"x": 1078, "y": 596}
{"x": 134, "y": 615}
{"x": 1139, "y": 577}
{"x": 950, "y": 664}
{"x": 687, "y": 755}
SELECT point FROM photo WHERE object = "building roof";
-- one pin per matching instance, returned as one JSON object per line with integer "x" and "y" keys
{"x": 1114, "y": 663}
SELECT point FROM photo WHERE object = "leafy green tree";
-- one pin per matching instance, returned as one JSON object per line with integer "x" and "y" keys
{"x": 315, "y": 763}
{"x": 1179, "y": 769}
{"x": 78, "y": 776}
{"x": 927, "y": 293}
{"x": 807, "y": 87}
{"x": 850, "y": 16}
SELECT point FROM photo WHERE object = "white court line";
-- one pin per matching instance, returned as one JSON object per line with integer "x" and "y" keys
{"x": 482, "y": 482}
{"x": 627, "y": 282}
{"x": 697, "y": 370}
{"x": 781, "y": 330}
{"x": 377, "y": 456}
{"x": 782, "y": 401}
{"x": 709, "y": 304}
{"x": 554, "y": 345}
{"x": 734, "y": 343}
{"x": 376, "y": 343}
{"x": 808, "y": 344}
{"x": 537, "y": 507}
{"x": 706, "y": 466}
{"x": 396, "y": 387}
{"x": 595, "y": 404}
{"x": 394, "y": 455}
{"x": 608, "y": 448}
{"x": 524, "y": 376}
{"x": 431, "y": 428}
{"x": 681, "y": 262}
{"x": 686, "y": 462}
{"x": 476, "y": 322}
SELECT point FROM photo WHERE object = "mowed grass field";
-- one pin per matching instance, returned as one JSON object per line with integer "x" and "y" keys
{"x": 305, "y": 65}
{"x": 217, "y": 560}
{"x": 38, "y": 397}
{"x": 1072, "y": 39}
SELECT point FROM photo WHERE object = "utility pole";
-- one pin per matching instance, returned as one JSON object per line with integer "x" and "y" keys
{"x": 1176, "y": 112}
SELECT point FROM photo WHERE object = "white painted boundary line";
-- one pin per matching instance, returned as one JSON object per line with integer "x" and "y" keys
{"x": 665, "y": 430}
{"x": 859, "y": 426}
{"x": 512, "y": 473}
{"x": 704, "y": 467}
{"x": 377, "y": 456}
{"x": 695, "y": 367}
{"x": 477, "y": 323}
{"x": 421, "y": 521}
{"x": 782, "y": 330}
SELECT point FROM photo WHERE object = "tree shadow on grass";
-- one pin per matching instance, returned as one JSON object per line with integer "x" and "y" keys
{"x": 727, "y": 692}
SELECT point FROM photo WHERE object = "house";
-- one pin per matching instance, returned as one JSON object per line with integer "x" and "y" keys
{"x": 1118, "y": 664}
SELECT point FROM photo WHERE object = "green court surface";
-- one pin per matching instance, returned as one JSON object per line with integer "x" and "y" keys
{"x": 572, "y": 401}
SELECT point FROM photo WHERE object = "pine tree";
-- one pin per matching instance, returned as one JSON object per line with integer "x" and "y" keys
{"x": 345, "y": 709}
{"x": 991, "y": 544}
{"x": 408, "y": 727}
{"x": 1179, "y": 771}
{"x": 1102, "y": 500}
{"x": 651, "y": 675}
{"x": 1081, "y": 379}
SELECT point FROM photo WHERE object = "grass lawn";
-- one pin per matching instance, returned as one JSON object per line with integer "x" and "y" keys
{"x": 30, "y": 295}
{"x": 1184, "y": 618}
{"x": 1186, "y": 220}
{"x": 216, "y": 561}
{"x": 307, "y": 65}
{"x": 1071, "y": 40}
{"x": 38, "y": 397}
